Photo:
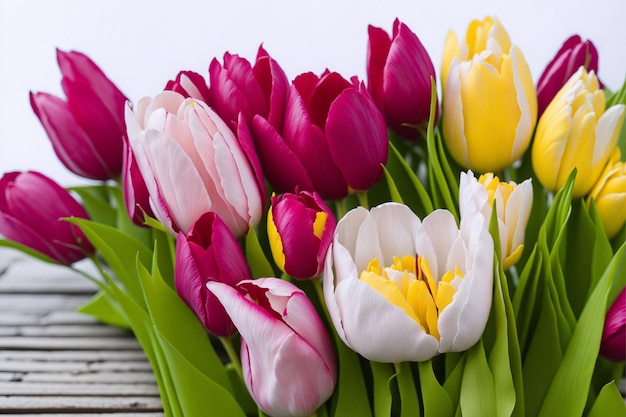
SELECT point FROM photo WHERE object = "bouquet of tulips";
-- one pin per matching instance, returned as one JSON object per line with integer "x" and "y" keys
{"x": 334, "y": 247}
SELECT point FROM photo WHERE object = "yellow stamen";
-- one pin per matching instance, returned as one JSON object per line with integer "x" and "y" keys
{"x": 320, "y": 223}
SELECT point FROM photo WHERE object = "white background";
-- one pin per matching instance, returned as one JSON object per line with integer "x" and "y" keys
{"x": 142, "y": 44}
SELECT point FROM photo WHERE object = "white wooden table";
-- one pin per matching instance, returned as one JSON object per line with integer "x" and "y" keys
{"x": 56, "y": 362}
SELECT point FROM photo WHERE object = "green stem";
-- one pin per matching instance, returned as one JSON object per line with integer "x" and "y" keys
{"x": 408, "y": 392}
{"x": 340, "y": 205}
{"x": 227, "y": 343}
{"x": 362, "y": 195}
{"x": 317, "y": 284}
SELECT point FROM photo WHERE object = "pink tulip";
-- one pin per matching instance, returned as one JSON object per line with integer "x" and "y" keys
{"x": 190, "y": 84}
{"x": 87, "y": 130}
{"x": 193, "y": 163}
{"x": 613, "y": 344}
{"x": 286, "y": 354}
{"x": 209, "y": 252}
{"x": 573, "y": 54}
{"x": 238, "y": 87}
{"x": 333, "y": 141}
{"x": 398, "y": 78}
{"x": 300, "y": 228}
{"x": 31, "y": 205}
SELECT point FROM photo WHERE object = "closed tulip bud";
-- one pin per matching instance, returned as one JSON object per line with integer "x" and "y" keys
{"x": 513, "y": 205}
{"x": 609, "y": 195}
{"x": 398, "y": 78}
{"x": 193, "y": 163}
{"x": 574, "y": 53}
{"x": 398, "y": 289}
{"x": 190, "y": 84}
{"x": 489, "y": 102}
{"x": 238, "y": 87}
{"x": 576, "y": 131}
{"x": 613, "y": 345}
{"x": 136, "y": 196}
{"x": 86, "y": 130}
{"x": 334, "y": 139}
{"x": 208, "y": 252}
{"x": 31, "y": 206}
{"x": 300, "y": 228}
{"x": 286, "y": 355}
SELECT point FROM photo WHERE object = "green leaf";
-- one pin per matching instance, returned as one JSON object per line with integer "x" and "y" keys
{"x": 434, "y": 396}
{"x": 393, "y": 189}
{"x": 609, "y": 403}
{"x": 106, "y": 309}
{"x": 259, "y": 265}
{"x": 478, "y": 396}
{"x": 454, "y": 378}
{"x": 97, "y": 202}
{"x": 27, "y": 250}
{"x": 120, "y": 252}
{"x": 569, "y": 389}
{"x": 526, "y": 296}
{"x": 409, "y": 402}
{"x": 382, "y": 375}
{"x": 350, "y": 396}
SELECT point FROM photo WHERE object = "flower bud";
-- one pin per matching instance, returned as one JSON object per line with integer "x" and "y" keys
{"x": 300, "y": 228}
{"x": 576, "y": 131}
{"x": 190, "y": 84}
{"x": 208, "y": 252}
{"x": 613, "y": 344}
{"x": 609, "y": 195}
{"x": 31, "y": 205}
{"x": 286, "y": 355}
{"x": 87, "y": 130}
{"x": 574, "y": 53}
{"x": 398, "y": 78}
{"x": 490, "y": 103}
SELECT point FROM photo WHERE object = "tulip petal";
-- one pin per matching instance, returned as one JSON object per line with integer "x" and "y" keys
{"x": 377, "y": 51}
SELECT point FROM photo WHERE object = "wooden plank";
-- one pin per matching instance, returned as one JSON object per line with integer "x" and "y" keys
{"x": 66, "y": 317}
{"x": 75, "y": 355}
{"x": 73, "y": 330}
{"x": 87, "y": 378}
{"x": 41, "y": 302}
{"x": 11, "y": 318}
{"x": 96, "y": 389}
{"x": 67, "y": 343}
{"x": 79, "y": 404}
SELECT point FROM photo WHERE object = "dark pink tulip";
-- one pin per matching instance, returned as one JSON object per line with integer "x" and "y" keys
{"x": 87, "y": 129}
{"x": 573, "y": 54}
{"x": 286, "y": 355}
{"x": 613, "y": 344}
{"x": 333, "y": 140}
{"x": 238, "y": 87}
{"x": 31, "y": 205}
{"x": 209, "y": 252}
{"x": 300, "y": 228}
{"x": 190, "y": 84}
{"x": 398, "y": 78}
{"x": 136, "y": 195}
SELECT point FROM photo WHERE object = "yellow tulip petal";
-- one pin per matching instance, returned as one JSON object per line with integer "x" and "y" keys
{"x": 276, "y": 244}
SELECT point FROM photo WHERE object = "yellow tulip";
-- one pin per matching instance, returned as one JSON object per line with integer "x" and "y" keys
{"x": 609, "y": 195}
{"x": 576, "y": 131}
{"x": 489, "y": 98}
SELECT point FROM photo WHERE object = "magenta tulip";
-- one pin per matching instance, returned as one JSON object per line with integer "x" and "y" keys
{"x": 136, "y": 196}
{"x": 334, "y": 139}
{"x": 286, "y": 355}
{"x": 87, "y": 130}
{"x": 573, "y": 54}
{"x": 613, "y": 344}
{"x": 31, "y": 205}
{"x": 300, "y": 228}
{"x": 209, "y": 252}
{"x": 238, "y": 87}
{"x": 192, "y": 163}
{"x": 190, "y": 84}
{"x": 398, "y": 78}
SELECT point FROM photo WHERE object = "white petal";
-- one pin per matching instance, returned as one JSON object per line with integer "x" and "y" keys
{"x": 606, "y": 138}
{"x": 435, "y": 238}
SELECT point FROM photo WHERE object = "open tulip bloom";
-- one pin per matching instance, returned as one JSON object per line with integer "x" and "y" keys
{"x": 410, "y": 285}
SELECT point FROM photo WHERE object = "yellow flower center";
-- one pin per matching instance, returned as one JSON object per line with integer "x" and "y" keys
{"x": 492, "y": 184}
{"x": 410, "y": 285}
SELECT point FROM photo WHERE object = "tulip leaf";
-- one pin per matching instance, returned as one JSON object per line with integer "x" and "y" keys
{"x": 569, "y": 389}
{"x": 244, "y": 399}
{"x": 27, "y": 250}
{"x": 180, "y": 326}
{"x": 609, "y": 403}
{"x": 124, "y": 223}
{"x": 478, "y": 396}
{"x": 120, "y": 252}
{"x": 97, "y": 202}
{"x": 350, "y": 397}
{"x": 259, "y": 264}
{"x": 105, "y": 308}
{"x": 526, "y": 296}
{"x": 409, "y": 402}
{"x": 393, "y": 189}
{"x": 454, "y": 378}
{"x": 434, "y": 396}
{"x": 382, "y": 375}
